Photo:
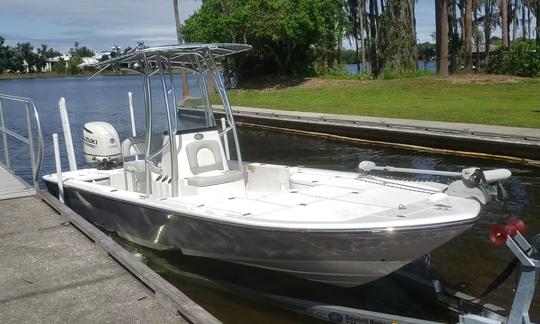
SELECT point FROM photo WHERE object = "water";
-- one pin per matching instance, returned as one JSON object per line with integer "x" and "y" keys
{"x": 469, "y": 262}
{"x": 430, "y": 66}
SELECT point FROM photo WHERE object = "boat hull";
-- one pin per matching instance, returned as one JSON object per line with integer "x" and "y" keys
{"x": 339, "y": 257}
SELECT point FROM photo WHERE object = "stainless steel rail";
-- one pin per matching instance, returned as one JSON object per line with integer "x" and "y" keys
{"x": 31, "y": 113}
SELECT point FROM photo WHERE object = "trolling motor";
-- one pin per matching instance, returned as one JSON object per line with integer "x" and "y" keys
{"x": 483, "y": 185}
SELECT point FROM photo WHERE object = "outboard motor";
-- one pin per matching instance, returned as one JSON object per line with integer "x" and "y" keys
{"x": 101, "y": 145}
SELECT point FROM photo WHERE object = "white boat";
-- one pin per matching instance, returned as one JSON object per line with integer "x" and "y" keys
{"x": 199, "y": 196}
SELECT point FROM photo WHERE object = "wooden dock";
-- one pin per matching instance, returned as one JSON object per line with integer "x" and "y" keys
{"x": 56, "y": 267}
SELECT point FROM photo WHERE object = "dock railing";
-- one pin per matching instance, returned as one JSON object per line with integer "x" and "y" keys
{"x": 30, "y": 139}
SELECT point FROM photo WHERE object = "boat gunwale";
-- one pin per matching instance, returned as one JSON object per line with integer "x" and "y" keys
{"x": 374, "y": 230}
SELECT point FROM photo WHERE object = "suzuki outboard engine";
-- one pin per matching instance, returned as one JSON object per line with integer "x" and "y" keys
{"x": 101, "y": 145}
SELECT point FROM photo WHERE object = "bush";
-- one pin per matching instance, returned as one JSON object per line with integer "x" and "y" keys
{"x": 395, "y": 75}
{"x": 522, "y": 59}
{"x": 344, "y": 75}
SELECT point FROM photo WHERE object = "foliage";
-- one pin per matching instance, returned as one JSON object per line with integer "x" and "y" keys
{"x": 344, "y": 75}
{"x": 348, "y": 57}
{"x": 60, "y": 66}
{"x": 522, "y": 59}
{"x": 73, "y": 64}
{"x": 23, "y": 57}
{"x": 426, "y": 52}
{"x": 388, "y": 74}
{"x": 288, "y": 37}
{"x": 82, "y": 51}
{"x": 4, "y": 55}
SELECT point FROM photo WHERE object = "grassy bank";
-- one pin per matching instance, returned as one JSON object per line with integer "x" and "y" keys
{"x": 495, "y": 100}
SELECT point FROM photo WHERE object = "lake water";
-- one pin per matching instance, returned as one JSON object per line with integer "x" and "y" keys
{"x": 421, "y": 65}
{"x": 469, "y": 261}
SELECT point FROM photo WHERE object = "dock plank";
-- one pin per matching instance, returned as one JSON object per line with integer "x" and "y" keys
{"x": 11, "y": 186}
{"x": 50, "y": 273}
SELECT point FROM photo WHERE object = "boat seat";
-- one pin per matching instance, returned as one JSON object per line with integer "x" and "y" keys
{"x": 211, "y": 178}
{"x": 207, "y": 165}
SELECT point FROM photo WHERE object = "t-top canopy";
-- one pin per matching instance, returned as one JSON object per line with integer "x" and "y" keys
{"x": 189, "y": 56}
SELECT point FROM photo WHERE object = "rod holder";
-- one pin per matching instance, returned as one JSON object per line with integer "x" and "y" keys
{"x": 58, "y": 167}
{"x": 225, "y": 138}
{"x": 131, "y": 114}
{"x": 67, "y": 134}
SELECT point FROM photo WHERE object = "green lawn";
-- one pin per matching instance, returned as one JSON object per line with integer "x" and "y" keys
{"x": 515, "y": 102}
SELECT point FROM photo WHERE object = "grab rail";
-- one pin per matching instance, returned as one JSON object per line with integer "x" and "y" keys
{"x": 35, "y": 159}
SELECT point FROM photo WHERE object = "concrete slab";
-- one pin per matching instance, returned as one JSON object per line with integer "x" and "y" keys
{"x": 52, "y": 273}
{"x": 508, "y": 143}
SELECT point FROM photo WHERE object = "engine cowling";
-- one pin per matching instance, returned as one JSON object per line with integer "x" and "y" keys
{"x": 101, "y": 143}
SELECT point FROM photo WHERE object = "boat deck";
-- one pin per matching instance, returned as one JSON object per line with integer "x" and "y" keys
{"x": 50, "y": 272}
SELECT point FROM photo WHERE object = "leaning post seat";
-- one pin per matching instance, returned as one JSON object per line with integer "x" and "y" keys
{"x": 202, "y": 163}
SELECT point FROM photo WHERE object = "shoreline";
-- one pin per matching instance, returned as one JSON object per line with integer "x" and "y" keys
{"x": 52, "y": 75}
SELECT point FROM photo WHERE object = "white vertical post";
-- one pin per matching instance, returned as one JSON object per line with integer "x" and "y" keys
{"x": 67, "y": 134}
{"x": 131, "y": 115}
{"x": 225, "y": 138}
{"x": 58, "y": 168}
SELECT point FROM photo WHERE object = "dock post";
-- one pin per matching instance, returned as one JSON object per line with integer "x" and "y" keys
{"x": 58, "y": 168}
{"x": 225, "y": 138}
{"x": 4, "y": 135}
{"x": 67, "y": 134}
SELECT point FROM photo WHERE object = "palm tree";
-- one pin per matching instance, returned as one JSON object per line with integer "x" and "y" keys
{"x": 442, "y": 36}
{"x": 467, "y": 33}
{"x": 504, "y": 22}
{"x": 185, "y": 85}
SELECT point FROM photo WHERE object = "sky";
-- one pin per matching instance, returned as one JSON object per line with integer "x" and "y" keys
{"x": 100, "y": 24}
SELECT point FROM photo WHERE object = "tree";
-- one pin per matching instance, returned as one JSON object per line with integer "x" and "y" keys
{"x": 305, "y": 38}
{"x": 426, "y": 51}
{"x": 60, "y": 66}
{"x": 186, "y": 93}
{"x": 504, "y": 22}
{"x": 488, "y": 27}
{"x": 73, "y": 64}
{"x": 396, "y": 38}
{"x": 538, "y": 22}
{"x": 442, "y": 31}
{"x": 82, "y": 51}
{"x": 4, "y": 55}
{"x": 353, "y": 7}
{"x": 467, "y": 35}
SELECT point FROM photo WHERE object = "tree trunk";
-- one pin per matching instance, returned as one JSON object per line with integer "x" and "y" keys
{"x": 443, "y": 31}
{"x": 488, "y": 12}
{"x": 467, "y": 39}
{"x": 396, "y": 39}
{"x": 361, "y": 10}
{"x": 438, "y": 34}
{"x": 523, "y": 22}
{"x": 374, "y": 37}
{"x": 186, "y": 93}
{"x": 504, "y": 24}
{"x": 514, "y": 21}
{"x": 453, "y": 45}
{"x": 538, "y": 22}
